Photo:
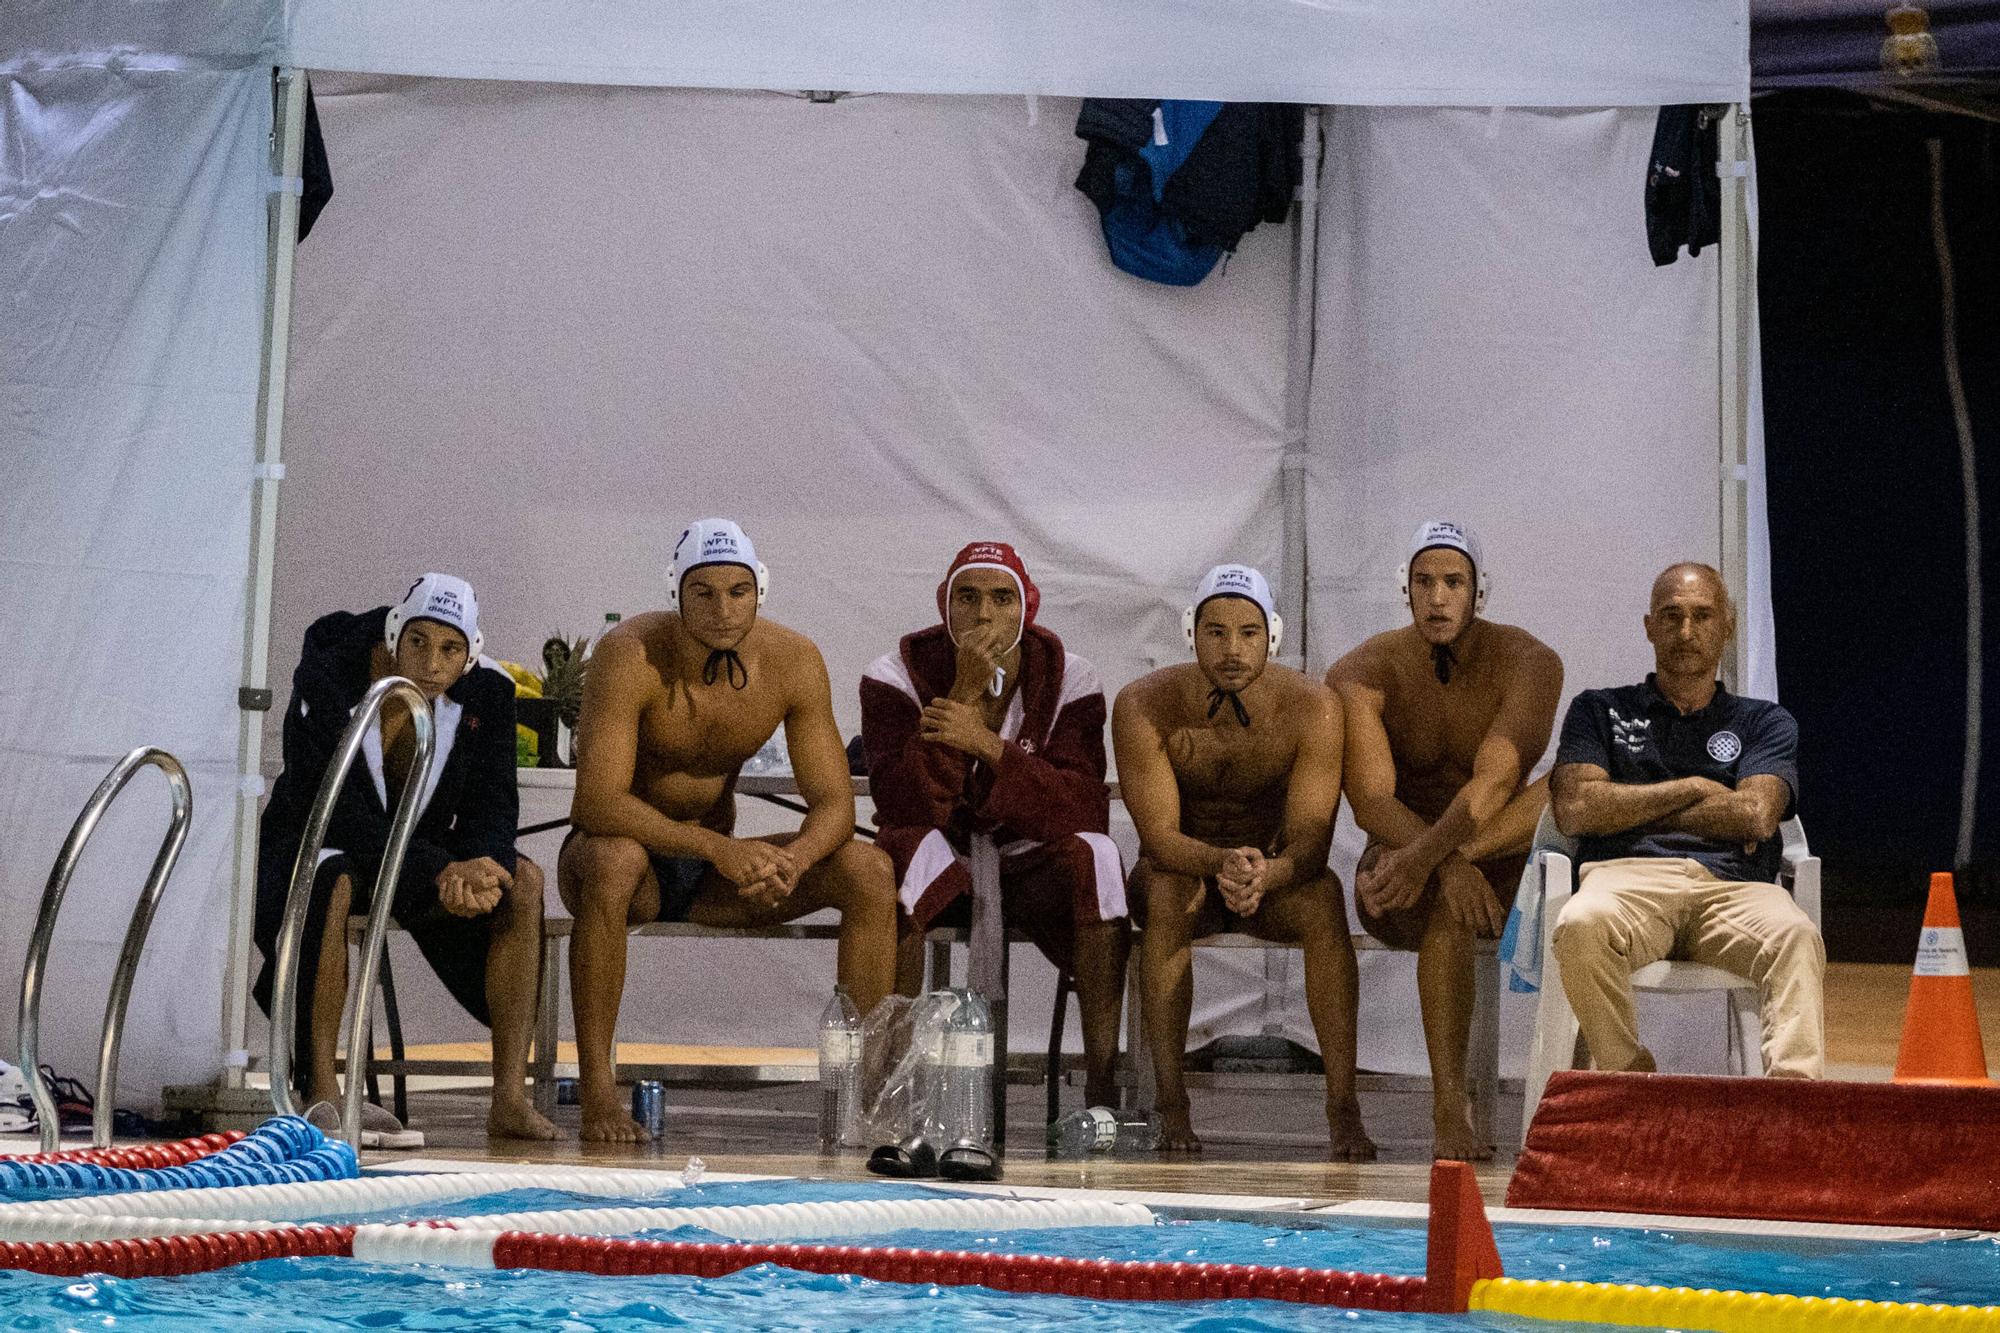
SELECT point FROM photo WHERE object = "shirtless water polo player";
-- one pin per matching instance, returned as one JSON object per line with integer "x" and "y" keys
{"x": 1230, "y": 766}
{"x": 1445, "y": 717}
{"x": 673, "y": 704}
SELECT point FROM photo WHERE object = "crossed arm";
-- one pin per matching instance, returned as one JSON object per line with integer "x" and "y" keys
{"x": 1588, "y": 803}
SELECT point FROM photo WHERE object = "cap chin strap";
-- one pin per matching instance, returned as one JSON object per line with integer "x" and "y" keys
{"x": 721, "y": 660}
{"x": 1219, "y": 696}
{"x": 1443, "y": 659}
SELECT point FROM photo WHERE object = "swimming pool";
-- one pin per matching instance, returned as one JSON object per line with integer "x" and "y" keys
{"x": 339, "y": 1293}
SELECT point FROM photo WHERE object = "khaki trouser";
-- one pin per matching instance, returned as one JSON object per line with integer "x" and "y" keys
{"x": 1637, "y": 910}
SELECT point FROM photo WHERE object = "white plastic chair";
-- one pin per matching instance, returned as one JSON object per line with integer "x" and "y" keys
{"x": 1557, "y": 1043}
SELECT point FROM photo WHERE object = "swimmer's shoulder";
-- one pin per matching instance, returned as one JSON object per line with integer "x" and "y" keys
{"x": 787, "y": 652}
{"x": 1371, "y": 664}
{"x": 1523, "y": 651}
{"x": 628, "y": 653}
{"x": 1300, "y": 691}
{"x": 1151, "y": 695}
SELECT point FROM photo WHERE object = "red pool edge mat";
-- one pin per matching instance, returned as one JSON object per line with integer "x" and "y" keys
{"x": 1796, "y": 1150}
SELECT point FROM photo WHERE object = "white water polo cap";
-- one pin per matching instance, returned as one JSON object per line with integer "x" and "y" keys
{"x": 1235, "y": 581}
{"x": 1437, "y": 534}
{"x": 445, "y": 599}
{"x": 713, "y": 541}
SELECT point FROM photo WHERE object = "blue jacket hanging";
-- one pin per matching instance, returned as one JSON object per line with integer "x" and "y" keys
{"x": 1178, "y": 183}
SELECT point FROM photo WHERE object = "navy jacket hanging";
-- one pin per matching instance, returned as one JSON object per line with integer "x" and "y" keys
{"x": 1683, "y": 197}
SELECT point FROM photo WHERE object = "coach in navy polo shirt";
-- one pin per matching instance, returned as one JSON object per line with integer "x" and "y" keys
{"x": 1675, "y": 788}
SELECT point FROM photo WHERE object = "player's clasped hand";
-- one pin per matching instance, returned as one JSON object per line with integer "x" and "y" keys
{"x": 762, "y": 872}
{"x": 472, "y": 888}
{"x": 1390, "y": 885}
{"x": 1470, "y": 899}
{"x": 1241, "y": 880}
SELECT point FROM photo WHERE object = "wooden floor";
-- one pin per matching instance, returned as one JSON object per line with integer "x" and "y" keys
{"x": 1263, "y": 1143}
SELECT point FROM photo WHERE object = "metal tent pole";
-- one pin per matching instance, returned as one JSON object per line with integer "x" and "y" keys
{"x": 1738, "y": 279}
{"x": 253, "y": 698}
{"x": 1292, "y": 571}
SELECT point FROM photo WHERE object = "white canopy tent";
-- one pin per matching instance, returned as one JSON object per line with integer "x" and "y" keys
{"x": 907, "y": 285}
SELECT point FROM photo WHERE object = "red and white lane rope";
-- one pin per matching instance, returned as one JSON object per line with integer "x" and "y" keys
{"x": 139, "y": 1156}
{"x": 819, "y": 1221}
{"x": 1097, "y": 1279}
{"x": 173, "y": 1256}
{"x": 769, "y": 1221}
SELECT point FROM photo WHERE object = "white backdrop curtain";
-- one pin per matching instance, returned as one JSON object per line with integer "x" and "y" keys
{"x": 131, "y": 271}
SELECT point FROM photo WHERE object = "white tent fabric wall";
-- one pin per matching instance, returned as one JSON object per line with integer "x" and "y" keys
{"x": 1495, "y": 346}
{"x": 542, "y": 326}
{"x": 1357, "y": 52}
{"x": 132, "y": 151}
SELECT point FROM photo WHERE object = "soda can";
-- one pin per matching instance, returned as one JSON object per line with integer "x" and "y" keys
{"x": 566, "y": 1092}
{"x": 649, "y": 1106}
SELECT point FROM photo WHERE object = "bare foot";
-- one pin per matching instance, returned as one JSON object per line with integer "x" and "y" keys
{"x": 604, "y": 1121}
{"x": 1347, "y": 1141}
{"x": 1100, "y": 1091}
{"x": 515, "y": 1117}
{"x": 1177, "y": 1130}
{"x": 1455, "y": 1141}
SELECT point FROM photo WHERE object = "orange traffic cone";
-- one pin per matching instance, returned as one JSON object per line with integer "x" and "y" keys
{"x": 1941, "y": 1041}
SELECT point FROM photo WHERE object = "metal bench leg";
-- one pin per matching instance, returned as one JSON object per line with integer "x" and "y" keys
{"x": 394, "y": 1018}
{"x": 548, "y": 1005}
{"x": 1052, "y": 1070}
{"x": 940, "y": 965}
{"x": 1142, "y": 1092}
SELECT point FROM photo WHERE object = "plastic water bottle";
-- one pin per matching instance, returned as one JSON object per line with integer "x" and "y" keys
{"x": 1099, "y": 1129}
{"x": 839, "y": 1074}
{"x": 965, "y": 1093}
{"x": 928, "y": 1018}
{"x": 611, "y": 619}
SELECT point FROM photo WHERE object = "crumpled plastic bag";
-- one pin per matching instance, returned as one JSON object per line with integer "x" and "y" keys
{"x": 902, "y": 1042}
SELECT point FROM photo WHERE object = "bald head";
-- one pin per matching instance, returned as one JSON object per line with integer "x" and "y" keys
{"x": 1695, "y": 577}
{"x": 1688, "y": 621}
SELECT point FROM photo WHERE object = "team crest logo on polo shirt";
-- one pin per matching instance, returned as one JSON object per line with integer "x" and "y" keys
{"x": 1724, "y": 746}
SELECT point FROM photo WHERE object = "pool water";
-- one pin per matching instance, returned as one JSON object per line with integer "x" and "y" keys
{"x": 345, "y": 1294}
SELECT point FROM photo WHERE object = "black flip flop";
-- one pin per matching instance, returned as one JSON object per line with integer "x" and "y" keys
{"x": 968, "y": 1160}
{"x": 912, "y": 1159}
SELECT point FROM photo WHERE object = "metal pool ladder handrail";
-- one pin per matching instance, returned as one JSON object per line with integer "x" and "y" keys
{"x": 284, "y": 981}
{"x": 30, "y": 1031}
